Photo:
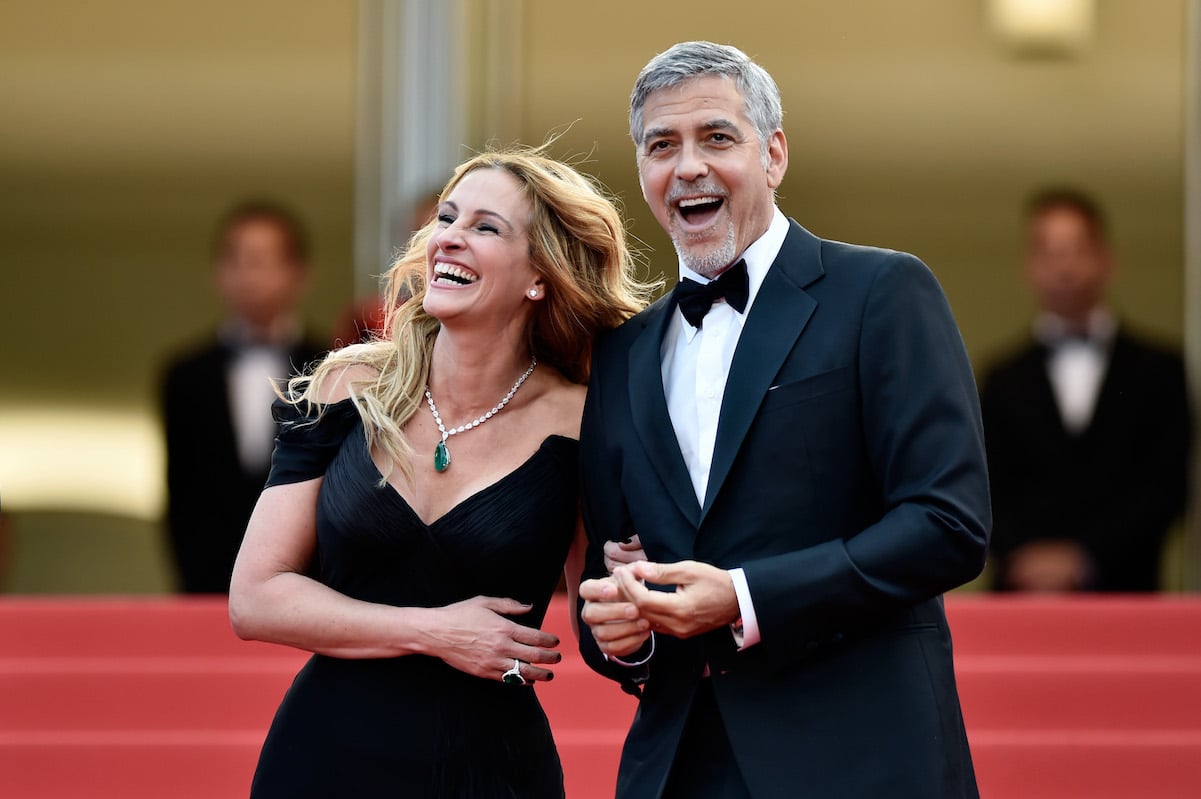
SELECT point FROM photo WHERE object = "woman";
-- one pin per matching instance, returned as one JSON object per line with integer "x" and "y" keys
{"x": 428, "y": 481}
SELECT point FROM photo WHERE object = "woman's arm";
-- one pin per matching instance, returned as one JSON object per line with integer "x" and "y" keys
{"x": 573, "y": 571}
{"x": 271, "y": 599}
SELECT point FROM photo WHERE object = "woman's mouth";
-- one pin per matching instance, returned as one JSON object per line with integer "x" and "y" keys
{"x": 453, "y": 275}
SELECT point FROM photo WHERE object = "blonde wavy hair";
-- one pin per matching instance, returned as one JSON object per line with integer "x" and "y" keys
{"x": 577, "y": 246}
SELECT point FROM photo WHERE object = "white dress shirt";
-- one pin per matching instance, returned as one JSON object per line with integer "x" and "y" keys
{"x": 695, "y": 365}
{"x": 252, "y": 374}
{"x": 251, "y": 392}
{"x": 1077, "y": 365}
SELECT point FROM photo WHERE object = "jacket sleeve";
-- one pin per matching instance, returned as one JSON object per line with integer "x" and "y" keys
{"x": 605, "y": 519}
{"x": 923, "y": 447}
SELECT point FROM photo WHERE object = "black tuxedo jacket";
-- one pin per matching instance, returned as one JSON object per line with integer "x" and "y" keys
{"x": 1115, "y": 487}
{"x": 849, "y": 482}
{"x": 209, "y": 494}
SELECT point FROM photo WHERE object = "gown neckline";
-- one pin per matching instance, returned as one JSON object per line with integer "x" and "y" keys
{"x": 470, "y": 499}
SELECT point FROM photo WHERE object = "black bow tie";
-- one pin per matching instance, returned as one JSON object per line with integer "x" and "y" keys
{"x": 695, "y": 299}
{"x": 1068, "y": 337}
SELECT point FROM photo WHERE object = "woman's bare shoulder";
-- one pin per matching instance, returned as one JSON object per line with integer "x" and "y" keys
{"x": 336, "y": 384}
{"x": 565, "y": 403}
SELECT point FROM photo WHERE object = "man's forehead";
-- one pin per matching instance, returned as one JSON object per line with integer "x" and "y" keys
{"x": 714, "y": 88}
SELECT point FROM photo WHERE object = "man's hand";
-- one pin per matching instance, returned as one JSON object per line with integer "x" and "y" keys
{"x": 703, "y": 599}
{"x": 614, "y": 620}
{"x": 1051, "y": 565}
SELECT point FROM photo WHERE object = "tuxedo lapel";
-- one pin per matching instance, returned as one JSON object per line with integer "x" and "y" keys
{"x": 1108, "y": 391}
{"x": 781, "y": 310}
{"x": 648, "y": 406}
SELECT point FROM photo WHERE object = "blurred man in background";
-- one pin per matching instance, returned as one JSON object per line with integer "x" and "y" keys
{"x": 1087, "y": 426}
{"x": 217, "y": 398}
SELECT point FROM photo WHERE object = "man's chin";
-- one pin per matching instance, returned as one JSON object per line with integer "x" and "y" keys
{"x": 708, "y": 262}
{"x": 706, "y": 254}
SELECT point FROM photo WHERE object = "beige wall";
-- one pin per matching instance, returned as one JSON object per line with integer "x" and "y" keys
{"x": 129, "y": 125}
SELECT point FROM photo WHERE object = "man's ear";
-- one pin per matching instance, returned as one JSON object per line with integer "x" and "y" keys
{"x": 777, "y": 158}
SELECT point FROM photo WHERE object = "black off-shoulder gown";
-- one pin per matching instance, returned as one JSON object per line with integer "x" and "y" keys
{"x": 414, "y": 726}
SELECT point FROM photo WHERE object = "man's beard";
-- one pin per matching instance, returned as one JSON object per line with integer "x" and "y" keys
{"x": 709, "y": 263}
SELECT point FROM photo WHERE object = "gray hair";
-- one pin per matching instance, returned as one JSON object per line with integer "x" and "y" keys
{"x": 688, "y": 60}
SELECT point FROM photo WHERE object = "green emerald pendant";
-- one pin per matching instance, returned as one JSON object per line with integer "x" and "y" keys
{"x": 441, "y": 457}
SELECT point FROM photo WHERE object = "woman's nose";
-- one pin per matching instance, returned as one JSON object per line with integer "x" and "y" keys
{"x": 449, "y": 237}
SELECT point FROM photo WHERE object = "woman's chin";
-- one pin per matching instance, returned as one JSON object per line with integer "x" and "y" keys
{"x": 440, "y": 306}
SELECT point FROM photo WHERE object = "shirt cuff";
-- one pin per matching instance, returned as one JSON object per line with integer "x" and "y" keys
{"x": 643, "y": 662}
{"x": 746, "y": 629}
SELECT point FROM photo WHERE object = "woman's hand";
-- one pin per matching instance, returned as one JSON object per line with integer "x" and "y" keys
{"x": 618, "y": 553}
{"x": 473, "y": 637}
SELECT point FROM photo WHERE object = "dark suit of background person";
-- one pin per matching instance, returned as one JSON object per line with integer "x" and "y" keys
{"x": 1087, "y": 474}
{"x": 216, "y": 398}
{"x": 848, "y": 482}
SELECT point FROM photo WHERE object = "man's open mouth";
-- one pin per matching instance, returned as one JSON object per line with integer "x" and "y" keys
{"x": 699, "y": 210}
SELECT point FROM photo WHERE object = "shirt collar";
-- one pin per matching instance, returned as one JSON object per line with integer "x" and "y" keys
{"x": 1100, "y": 328}
{"x": 759, "y": 257}
{"x": 237, "y": 334}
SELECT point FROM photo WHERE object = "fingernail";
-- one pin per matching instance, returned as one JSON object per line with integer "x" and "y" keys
{"x": 627, "y": 540}
{"x": 558, "y": 658}
{"x": 550, "y": 676}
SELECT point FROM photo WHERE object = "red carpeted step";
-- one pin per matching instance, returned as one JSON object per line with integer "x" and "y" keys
{"x": 129, "y": 628}
{"x": 150, "y": 695}
{"x": 1067, "y": 764}
{"x": 140, "y": 700}
{"x": 1083, "y": 625}
{"x": 202, "y": 766}
{"x": 1063, "y": 697}
{"x": 188, "y": 766}
{"x": 1093, "y": 694}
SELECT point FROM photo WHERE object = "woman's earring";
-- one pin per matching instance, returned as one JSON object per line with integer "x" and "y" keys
{"x": 533, "y": 292}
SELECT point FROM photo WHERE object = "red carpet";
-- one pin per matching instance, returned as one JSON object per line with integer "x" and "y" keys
{"x": 156, "y": 698}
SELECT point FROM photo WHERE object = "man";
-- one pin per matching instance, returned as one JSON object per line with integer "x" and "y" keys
{"x": 803, "y": 463}
{"x": 1087, "y": 425}
{"x": 217, "y": 398}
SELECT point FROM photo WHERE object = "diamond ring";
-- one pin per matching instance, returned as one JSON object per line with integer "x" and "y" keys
{"x": 513, "y": 675}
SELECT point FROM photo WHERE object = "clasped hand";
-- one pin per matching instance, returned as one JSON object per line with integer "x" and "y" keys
{"x": 473, "y": 636}
{"x": 621, "y": 611}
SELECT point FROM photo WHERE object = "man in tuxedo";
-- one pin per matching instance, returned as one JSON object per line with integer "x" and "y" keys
{"x": 216, "y": 398}
{"x": 1087, "y": 424}
{"x": 793, "y": 435}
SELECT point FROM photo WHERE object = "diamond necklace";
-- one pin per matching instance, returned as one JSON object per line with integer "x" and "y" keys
{"x": 441, "y": 453}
